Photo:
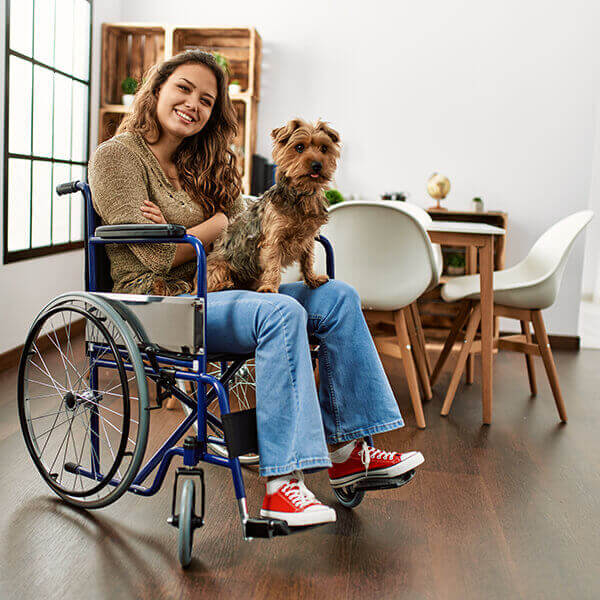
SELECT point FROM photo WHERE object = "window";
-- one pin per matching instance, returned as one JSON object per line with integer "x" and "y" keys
{"x": 47, "y": 110}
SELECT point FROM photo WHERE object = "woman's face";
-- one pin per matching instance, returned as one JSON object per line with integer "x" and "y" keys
{"x": 186, "y": 100}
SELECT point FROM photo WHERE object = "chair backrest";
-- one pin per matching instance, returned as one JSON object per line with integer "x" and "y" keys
{"x": 97, "y": 264}
{"x": 382, "y": 249}
{"x": 547, "y": 259}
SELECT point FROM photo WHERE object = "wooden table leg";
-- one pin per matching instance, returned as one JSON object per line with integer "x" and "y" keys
{"x": 471, "y": 268}
{"x": 486, "y": 274}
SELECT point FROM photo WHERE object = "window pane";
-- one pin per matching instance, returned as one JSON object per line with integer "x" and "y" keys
{"x": 42, "y": 111}
{"x": 19, "y": 132}
{"x": 41, "y": 204}
{"x": 43, "y": 45}
{"x": 63, "y": 44}
{"x": 81, "y": 41}
{"x": 62, "y": 117}
{"x": 21, "y": 25}
{"x": 18, "y": 203}
{"x": 60, "y": 205}
{"x": 79, "y": 125}
{"x": 77, "y": 205}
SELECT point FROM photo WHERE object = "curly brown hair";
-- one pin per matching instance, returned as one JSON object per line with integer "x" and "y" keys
{"x": 205, "y": 164}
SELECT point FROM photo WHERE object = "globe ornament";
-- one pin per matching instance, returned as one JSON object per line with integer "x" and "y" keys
{"x": 438, "y": 187}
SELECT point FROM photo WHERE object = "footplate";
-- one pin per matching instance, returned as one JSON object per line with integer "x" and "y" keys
{"x": 265, "y": 528}
{"x": 382, "y": 483}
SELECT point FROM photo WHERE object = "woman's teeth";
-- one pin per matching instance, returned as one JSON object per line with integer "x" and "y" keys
{"x": 184, "y": 116}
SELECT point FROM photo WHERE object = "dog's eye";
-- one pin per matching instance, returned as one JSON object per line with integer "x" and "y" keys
{"x": 299, "y": 148}
{"x": 323, "y": 149}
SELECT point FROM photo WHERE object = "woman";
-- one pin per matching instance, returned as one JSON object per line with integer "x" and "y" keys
{"x": 170, "y": 163}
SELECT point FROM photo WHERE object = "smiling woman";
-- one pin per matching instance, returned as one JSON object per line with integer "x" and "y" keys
{"x": 169, "y": 162}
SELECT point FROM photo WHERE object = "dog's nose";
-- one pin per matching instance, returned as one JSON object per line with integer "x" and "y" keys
{"x": 316, "y": 166}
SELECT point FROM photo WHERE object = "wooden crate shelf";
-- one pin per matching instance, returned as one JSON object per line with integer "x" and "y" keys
{"x": 130, "y": 49}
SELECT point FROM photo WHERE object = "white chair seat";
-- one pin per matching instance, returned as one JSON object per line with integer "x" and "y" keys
{"x": 533, "y": 283}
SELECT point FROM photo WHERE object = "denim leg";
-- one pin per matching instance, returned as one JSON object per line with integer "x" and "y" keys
{"x": 288, "y": 415}
{"x": 355, "y": 395}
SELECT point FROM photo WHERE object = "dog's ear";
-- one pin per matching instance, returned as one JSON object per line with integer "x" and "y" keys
{"x": 282, "y": 135}
{"x": 327, "y": 130}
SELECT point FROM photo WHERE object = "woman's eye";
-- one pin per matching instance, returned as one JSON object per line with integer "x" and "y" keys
{"x": 323, "y": 149}
{"x": 183, "y": 87}
{"x": 299, "y": 148}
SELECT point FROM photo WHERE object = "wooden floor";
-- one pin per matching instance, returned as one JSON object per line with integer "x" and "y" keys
{"x": 507, "y": 511}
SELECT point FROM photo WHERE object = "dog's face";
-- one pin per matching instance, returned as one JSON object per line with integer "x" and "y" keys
{"x": 306, "y": 154}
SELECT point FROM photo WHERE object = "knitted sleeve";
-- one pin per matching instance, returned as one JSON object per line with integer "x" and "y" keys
{"x": 118, "y": 182}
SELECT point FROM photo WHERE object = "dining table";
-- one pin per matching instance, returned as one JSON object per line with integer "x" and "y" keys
{"x": 478, "y": 239}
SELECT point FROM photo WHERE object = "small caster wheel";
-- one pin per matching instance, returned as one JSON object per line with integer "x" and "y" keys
{"x": 186, "y": 531}
{"x": 348, "y": 496}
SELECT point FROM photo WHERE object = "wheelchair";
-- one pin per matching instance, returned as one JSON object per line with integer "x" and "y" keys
{"x": 84, "y": 401}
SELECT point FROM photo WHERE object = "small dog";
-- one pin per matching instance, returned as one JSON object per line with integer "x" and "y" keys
{"x": 280, "y": 227}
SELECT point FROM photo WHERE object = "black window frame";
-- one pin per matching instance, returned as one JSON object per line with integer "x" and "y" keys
{"x": 18, "y": 255}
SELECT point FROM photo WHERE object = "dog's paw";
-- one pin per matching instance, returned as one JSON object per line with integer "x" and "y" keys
{"x": 266, "y": 289}
{"x": 316, "y": 281}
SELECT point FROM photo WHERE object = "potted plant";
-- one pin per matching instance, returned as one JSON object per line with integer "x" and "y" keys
{"x": 334, "y": 197}
{"x": 129, "y": 87}
{"x": 477, "y": 204}
{"x": 235, "y": 87}
{"x": 456, "y": 264}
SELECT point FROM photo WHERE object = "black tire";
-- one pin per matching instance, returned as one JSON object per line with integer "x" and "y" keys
{"x": 185, "y": 537}
{"x": 348, "y": 496}
{"x": 83, "y": 427}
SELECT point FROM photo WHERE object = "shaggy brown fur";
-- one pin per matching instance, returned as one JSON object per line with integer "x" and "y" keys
{"x": 280, "y": 227}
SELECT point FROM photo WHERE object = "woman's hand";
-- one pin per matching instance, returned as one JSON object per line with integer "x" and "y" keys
{"x": 152, "y": 212}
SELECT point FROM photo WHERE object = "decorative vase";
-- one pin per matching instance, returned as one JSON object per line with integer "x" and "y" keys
{"x": 451, "y": 270}
{"x": 235, "y": 88}
{"x": 127, "y": 99}
{"x": 477, "y": 206}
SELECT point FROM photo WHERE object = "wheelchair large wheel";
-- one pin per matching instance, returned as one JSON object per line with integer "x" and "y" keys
{"x": 185, "y": 536}
{"x": 83, "y": 399}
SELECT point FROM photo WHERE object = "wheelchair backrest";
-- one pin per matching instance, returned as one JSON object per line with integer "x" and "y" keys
{"x": 97, "y": 264}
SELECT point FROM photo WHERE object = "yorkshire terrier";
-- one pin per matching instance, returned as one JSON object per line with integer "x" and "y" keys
{"x": 279, "y": 228}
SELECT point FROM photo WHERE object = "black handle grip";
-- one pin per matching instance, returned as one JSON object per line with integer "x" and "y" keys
{"x": 67, "y": 188}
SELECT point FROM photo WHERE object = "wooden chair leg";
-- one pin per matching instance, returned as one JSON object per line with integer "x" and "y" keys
{"x": 529, "y": 359}
{"x": 544, "y": 346}
{"x": 458, "y": 324}
{"x": 462, "y": 359}
{"x": 421, "y": 335}
{"x": 418, "y": 353}
{"x": 409, "y": 366}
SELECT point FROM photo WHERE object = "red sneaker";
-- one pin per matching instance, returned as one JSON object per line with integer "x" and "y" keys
{"x": 295, "y": 503}
{"x": 366, "y": 461}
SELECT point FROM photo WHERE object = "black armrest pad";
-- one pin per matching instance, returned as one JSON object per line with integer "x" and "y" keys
{"x": 153, "y": 230}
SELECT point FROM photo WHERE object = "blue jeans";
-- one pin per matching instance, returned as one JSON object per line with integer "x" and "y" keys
{"x": 294, "y": 423}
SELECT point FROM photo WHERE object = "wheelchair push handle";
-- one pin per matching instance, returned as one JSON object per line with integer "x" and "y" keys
{"x": 68, "y": 188}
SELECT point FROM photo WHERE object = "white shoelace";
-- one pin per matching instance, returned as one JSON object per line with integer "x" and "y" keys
{"x": 297, "y": 492}
{"x": 368, "y": 451}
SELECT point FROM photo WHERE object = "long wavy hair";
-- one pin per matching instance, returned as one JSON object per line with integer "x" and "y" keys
{"x": 205, "y": 164}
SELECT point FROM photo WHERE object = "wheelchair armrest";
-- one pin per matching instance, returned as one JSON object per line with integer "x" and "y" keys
{"x": 126, "y": 231}
{"x": 328, "y": 255}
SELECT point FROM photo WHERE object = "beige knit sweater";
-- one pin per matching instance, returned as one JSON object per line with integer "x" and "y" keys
{"x": 122, "y": 173}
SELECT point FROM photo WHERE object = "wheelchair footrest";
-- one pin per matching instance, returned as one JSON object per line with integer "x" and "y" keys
{"x": 375, "y": 483}
{"x": 265, "y": 528}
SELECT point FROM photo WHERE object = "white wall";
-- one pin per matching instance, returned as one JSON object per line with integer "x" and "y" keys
{"x": 496, "y": 95}
{"x": 27, "y": 285}
{"x": 499, "y": 96}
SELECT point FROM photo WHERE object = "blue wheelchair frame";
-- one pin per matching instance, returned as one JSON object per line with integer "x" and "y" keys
{"x": 195, "y": 372}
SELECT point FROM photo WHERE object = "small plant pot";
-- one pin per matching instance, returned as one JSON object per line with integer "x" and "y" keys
{"x": 235, "y": 88}
{"x": 477, "y": 207}
{"x": 127, "y": 99}
{"x": 455, "y": 270}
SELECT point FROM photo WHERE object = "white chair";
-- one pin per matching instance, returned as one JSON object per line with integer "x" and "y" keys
{"x": 382, "y": 249}
{"x": 520, "y": 292}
